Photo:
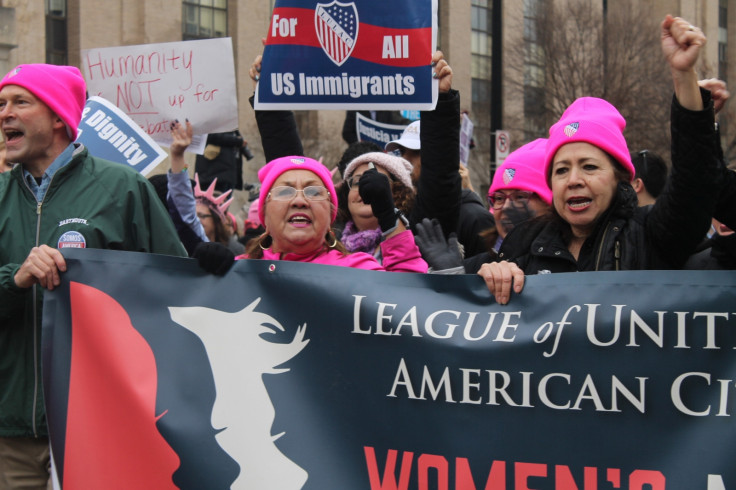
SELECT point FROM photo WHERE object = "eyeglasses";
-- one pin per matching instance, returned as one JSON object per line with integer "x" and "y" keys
{"x": 498, "y": 199}
{"x": 353, "y": 181}
{"x": 287, "y": 193}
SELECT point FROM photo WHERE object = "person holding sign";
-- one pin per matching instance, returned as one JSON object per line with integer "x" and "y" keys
{"x": 596, "y": 224}
{"x": 57, "y": 196}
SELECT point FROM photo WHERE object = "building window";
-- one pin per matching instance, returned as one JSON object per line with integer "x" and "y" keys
{"x": 534, "y": 73}
{"x": 204, "y": 19}
{"x": 722, "y": 39}
{"x": 480, "y": 50}
{"x": 439, "y": 25}
{"x": 56, "y": 41}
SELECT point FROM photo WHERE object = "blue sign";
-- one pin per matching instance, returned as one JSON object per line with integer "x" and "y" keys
{"x": 365, "y": 54}
{"x": 109, "y": 133}
{"x": 411, "y": 115}
{"x": 375, "y": 132}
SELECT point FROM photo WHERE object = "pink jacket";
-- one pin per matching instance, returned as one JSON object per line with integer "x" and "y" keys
{"x": 400, "y": 254}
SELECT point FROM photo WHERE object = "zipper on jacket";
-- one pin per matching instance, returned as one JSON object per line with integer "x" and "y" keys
{"x": 617, "y": 255}
{"x": 34, "y": 294}
{"x": 36, "y": 327}
{"x": 600, "y": 247}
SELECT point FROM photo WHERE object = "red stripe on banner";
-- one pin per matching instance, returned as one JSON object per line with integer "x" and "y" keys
{"x": 371, "y": 39}
{"x": 111, "y": 435}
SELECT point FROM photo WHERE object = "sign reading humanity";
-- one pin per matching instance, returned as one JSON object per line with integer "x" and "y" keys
{"x": 156, "y": 84}
{"x": 364, "y": 54}
{"x": 289, "y": 375}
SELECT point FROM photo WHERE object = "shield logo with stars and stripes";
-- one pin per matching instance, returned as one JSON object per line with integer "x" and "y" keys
{"x": 571, "y": 129}
{"x": 337, "y": 29}
{"x": 508, "y": 175}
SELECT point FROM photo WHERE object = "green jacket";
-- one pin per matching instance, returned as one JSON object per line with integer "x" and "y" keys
{"x": 90, "y": 203}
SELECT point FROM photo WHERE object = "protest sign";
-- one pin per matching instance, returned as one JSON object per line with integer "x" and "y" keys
{"x": 291, "y": 375}
{"x": 466, "y": 137}
{"x": 110, "y": 134}
{"x": 379, "y": 133}
{"x": 365, "y": 54}
{"x": 156, "y": 84}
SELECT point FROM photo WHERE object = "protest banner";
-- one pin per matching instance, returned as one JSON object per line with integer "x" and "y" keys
{"x": 365, "y": 54}
{"x": 156, "y": 84}
{"x": 291, "y": 375}
{"x": 379, "y": 133}
{"x": 110, "y": 134}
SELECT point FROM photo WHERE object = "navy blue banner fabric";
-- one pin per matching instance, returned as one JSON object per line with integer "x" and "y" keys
{"x": 287, "y": 375}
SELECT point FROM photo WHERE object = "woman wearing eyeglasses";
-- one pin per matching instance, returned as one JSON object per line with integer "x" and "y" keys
{"x": 518, "y": 193}
{"x": 298, "y": 205}
{"x": 596, "y": 223}
{"x": 362, "y": 231}
{"x": 519, "y": 189}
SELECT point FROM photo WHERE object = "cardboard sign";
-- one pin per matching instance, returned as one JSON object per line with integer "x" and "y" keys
{"x": 156, "y": 84}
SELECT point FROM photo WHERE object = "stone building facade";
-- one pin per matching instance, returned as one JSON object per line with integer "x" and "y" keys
{"x": 57, "y": 30}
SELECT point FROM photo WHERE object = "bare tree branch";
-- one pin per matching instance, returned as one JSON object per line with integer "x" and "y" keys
{"x": 581, "y": 54}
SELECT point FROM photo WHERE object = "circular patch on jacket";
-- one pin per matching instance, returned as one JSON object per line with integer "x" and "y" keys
{"x": 72, "y": 239}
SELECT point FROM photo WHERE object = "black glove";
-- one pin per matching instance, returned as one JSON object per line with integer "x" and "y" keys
{"x": 214, "y": 257}
{"x": 375, "y": 189}
{"x": 437, "y": 252}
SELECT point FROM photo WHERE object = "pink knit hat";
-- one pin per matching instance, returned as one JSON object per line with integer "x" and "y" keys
{"x": 253, "y": 213}
{"x": 271, "y": 171}
{"x": 61, "y": 88}
{"x": 595, "y": 121}
{"x": 396, "y": 166}
{"x": 522, "y": 170}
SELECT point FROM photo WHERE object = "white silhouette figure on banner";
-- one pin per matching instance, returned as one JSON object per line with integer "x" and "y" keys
{"x": 243, "y": 411}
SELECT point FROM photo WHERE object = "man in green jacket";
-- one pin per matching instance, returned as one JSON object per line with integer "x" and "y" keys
{"x": 56, "y": 196}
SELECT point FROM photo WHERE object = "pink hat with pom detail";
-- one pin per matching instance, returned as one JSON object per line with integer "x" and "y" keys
{"x": 218, "y": 204}
{"x": 595, "y": 121}
{"x": 61, "y": 88}
{"x": 273, "y": 169}
{"x": 522, "y": 170}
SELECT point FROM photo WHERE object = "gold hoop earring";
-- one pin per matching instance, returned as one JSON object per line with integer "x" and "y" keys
{"x": 331, "y": 234}
{"x": 262, "y": 239}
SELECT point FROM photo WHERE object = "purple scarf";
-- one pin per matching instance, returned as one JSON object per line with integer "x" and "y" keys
{"x": 360, "y": 241}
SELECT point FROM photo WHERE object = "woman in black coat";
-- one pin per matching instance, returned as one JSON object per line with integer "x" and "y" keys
{"x": 596, "y": 223}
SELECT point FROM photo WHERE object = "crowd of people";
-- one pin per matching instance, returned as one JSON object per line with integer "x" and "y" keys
{"x": 578, "y": 200}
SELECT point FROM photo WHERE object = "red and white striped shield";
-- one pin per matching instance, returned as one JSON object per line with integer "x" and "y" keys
{"x": 337, "y": 29}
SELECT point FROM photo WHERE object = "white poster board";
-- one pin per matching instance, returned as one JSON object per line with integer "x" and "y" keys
{"x": 156, "y": 84}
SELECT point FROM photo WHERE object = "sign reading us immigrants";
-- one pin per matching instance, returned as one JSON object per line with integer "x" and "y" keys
{"x": 301, "y": 376}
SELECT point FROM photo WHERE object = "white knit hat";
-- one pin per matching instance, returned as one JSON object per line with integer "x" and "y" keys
{"x": 396, "y": 166}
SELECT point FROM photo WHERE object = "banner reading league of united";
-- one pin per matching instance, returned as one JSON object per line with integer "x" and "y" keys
{"x": 364, "y": 54}
{"x": 287, "y": 376}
